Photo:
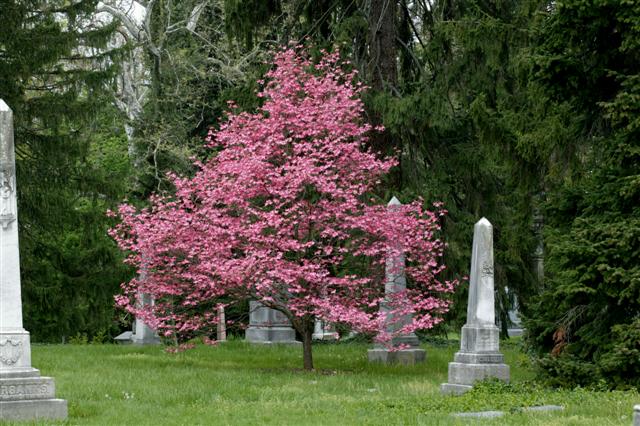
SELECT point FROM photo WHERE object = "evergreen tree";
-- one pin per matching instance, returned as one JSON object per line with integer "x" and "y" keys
{"x": 589, "y": 59}
{"x": 54, "y": 66}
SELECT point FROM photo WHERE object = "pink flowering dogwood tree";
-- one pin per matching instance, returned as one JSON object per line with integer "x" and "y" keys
{"x": 282, "y": 214}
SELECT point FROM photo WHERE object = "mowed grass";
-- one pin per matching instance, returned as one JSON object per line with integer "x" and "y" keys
{"x": 237, "y": 383}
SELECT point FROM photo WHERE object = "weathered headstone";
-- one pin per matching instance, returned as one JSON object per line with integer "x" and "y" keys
{"x": 221, "y": 329}
{"x": 636, "y": 415}
{"x": 395, "y": 282}
{"x": 267, "y": 325}
{"x": 24, "y": 394}
{"x": 324, "y": 331}
{"x": 141, "y": 334}
{"x": 515, "y": 324}
{"x": 479, "y": 357}
{"x": 538, "y": 253}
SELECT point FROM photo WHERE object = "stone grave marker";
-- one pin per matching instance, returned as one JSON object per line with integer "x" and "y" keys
{"x": 268, "y": 326}
{"x": 396, "y": 281}
{"x": 324, "y": 331}
{"x": 24, "y": 394}
{"x": 141, "y": 334}
{"x": 479, "y": 357}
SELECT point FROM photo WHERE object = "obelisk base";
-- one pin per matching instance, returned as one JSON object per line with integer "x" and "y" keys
{"x": 270, "y": 335}
{"x": 27, "y": 396}
{"x": 411, "y": 355}
{"x": 468, "y": 368}
{"x": 400, "y": 356}
{"x": 477, "y": 360}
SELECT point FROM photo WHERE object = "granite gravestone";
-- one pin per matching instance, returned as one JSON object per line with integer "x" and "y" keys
{"x": 24, "y": 394}
{"x": 267, "y": 325}
{"x": 142, "y": 334}
{"x": 395, "y": 282}
{"x": 479, "y": 357}
{"x": 324, "y": 331}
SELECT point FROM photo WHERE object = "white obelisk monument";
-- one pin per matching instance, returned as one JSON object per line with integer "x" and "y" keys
{"x": 396, "y": 282}
{"x": 479, "y": 357}
{"x": 23, "y": 393}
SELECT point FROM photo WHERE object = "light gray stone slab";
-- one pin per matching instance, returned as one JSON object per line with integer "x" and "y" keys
{"x": 53, "y": 409}
{"x": 267, "y": 326}
{"x": 403, "y": 356}
{"x": 481, "y": 414}
{"x": 480, "y": 338}
{"x": 468, "y": 374}
{"x": 454, "y": 388}
{"x": 479, "y": 358}
{"x": 636, "y": 415}
{"x": 29, "y": 388}
{"x": 544, "y": 408}
{"x": 24, "y": 395}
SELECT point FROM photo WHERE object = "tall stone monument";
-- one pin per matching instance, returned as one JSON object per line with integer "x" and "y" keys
{"x": 636, "y": 415}
{"x": 396, "y": 281}
{"x": 479, "y": 357}
{"x": 24, "y": 394}
{"x": 267, "y": 325}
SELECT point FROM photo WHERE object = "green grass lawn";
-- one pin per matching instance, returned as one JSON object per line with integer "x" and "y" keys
{"x": 241, "y": 384}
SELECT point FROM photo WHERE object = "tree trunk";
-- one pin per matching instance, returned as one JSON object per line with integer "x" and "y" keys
{"x": 382, "y": 65}
{"x": 382, "y": 44}
{"x": 307, "y": 356}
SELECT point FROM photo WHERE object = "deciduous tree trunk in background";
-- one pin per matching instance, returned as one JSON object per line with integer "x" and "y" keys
{"x": 382, "y": 64}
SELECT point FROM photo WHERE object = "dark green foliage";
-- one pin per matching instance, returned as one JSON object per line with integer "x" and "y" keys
{"x": 456, "y": 118}
{"x": 589, "y": 57}
{"x": 70, "y": 268}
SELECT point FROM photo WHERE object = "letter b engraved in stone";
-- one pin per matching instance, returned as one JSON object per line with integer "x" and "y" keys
{"x": 10, "y": 351}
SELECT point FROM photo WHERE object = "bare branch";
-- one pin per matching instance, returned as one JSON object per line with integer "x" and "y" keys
{"x": 128, "y": 22}
{"x": 195, "y": 15}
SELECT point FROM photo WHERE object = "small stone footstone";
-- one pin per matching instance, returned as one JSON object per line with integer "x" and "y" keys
{"x": 544, "y": 408}
{"x": 481, "y": 414}
{"x": 268, "y": 326}
{"x": 491, "y": 414}
{"x": 479, "y": 357}
{"x": 24, "y": 394}
{"x": 395, "y": 282}
{"x": 636, "y": 415}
